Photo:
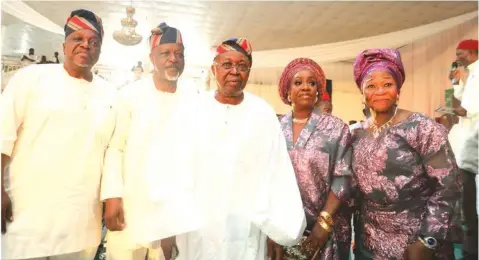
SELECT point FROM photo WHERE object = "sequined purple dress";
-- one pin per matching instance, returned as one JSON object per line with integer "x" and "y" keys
{"x": 408, "y": 185}
{"x": 321, "y": 159}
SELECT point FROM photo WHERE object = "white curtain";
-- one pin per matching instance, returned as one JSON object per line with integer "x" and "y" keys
{"x": 25, "y": 13}
{"x": 427, "y": 62}
{"x": 341, "y": 51}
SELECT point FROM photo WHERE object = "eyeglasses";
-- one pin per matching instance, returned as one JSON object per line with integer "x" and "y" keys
{"x": 228, "y": 66}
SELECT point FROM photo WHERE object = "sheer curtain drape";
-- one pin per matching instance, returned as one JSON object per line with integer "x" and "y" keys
{"x": 427, "y": 62}
{"x": 340, "y": 51}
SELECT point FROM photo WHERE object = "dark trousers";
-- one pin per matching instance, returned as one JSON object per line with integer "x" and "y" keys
{"x": 470, "y": 215}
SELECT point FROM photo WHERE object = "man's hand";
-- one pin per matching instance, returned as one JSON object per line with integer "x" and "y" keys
{"x": 7, "y": 214}
{"x": 168, "y": 245}
{"x": 460, "y": 111}
{"x": 27, "y": 58}
{"x": 455, "y": 74}
{"x": 113, "y": 216}
{"x": 418, "y": 251}
{"x": 275, "y": 251}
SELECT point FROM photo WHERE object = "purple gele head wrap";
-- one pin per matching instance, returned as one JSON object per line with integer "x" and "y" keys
{"x": 379, "y": 59}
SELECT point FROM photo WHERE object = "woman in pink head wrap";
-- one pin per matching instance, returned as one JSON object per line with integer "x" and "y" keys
{"x": 406, "y": 174}
{"x": 318, "y": 146}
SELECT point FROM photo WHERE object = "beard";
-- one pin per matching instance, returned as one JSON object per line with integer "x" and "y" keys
{"x": 88, "y": 62}
{"x": 172, "y": 78}
{"x": 167, "y": 76}
{"x": 82, "y": 65}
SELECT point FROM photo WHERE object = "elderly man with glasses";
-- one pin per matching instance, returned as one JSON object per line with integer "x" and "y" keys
{"x": 245, "y": 187}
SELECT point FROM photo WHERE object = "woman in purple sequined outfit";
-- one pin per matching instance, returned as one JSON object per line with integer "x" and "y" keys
{"x": 406, "y": 174}
{"x": 318, "y": 144}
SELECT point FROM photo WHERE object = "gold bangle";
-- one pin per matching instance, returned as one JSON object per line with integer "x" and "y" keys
{"x": 324, "y": 225}
{"x": 327, "y": 217}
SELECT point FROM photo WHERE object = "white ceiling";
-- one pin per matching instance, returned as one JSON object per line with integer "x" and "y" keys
{"x": 268, "y": 25}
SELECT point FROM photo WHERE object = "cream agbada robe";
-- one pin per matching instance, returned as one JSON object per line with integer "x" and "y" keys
{"x": 245, "y": 185}
{"x": 56, "y": 129}
{"x": 149, "y": 163}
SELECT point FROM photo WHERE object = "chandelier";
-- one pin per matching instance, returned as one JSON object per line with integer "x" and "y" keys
{"x": 127, "y": 35}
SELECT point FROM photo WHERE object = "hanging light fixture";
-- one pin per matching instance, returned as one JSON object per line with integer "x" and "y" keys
{"x": 127, "y": 35}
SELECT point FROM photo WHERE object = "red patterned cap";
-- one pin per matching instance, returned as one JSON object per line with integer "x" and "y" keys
{"x": 235, "y": 44}
{"x": 83, "y": 19}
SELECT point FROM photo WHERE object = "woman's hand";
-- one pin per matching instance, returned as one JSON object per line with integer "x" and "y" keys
{"x": 275, "y": 251}
{"x": 316, "y": 240}
{"x": 418, "y": 251}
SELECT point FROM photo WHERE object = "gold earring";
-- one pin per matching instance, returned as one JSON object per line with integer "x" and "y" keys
{"x": 289, "y": 98}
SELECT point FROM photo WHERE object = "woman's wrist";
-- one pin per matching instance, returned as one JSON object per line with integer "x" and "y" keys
{"x": 324, "y": 225}
{"x": 327, "y": 217}
{"x": 325, "y": 220}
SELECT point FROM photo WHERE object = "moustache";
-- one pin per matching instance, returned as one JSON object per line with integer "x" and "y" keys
{"x": 85, "y": 52}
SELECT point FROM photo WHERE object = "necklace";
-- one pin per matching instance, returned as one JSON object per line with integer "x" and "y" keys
{"x": 378, "y": 129}
{"x": 300, "y": 121}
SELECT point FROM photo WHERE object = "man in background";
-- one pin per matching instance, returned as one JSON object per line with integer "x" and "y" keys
{"x": 467, "y": 54}
{"x": 30, "y": 58}
{"x": 137, "y": 70}
{"x": 325, "y": 106}
{"x": 43, "y": 60}
{"x": 55, "y": 58}
{"x": 458, "y": 76}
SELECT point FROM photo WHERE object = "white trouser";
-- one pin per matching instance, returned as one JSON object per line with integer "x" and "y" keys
{"x": 116, "y": 249}
{"x": 87, "y": 254}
